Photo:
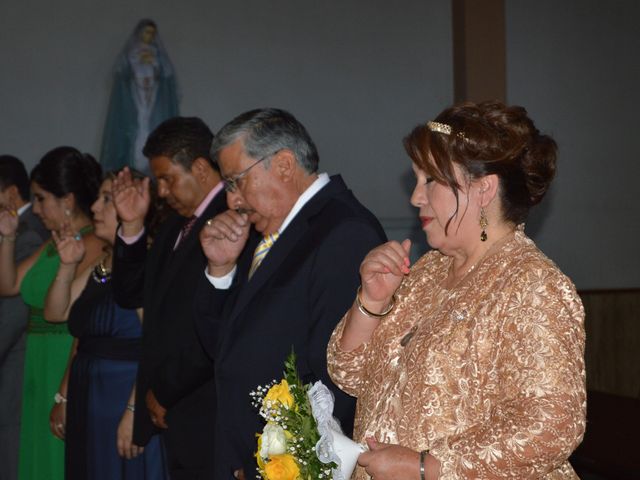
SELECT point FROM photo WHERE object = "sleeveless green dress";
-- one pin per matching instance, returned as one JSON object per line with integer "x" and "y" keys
{"x": 48, "y": 345}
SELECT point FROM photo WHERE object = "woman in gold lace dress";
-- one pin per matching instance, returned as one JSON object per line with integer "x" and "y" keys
{"x": 470, "y": 363}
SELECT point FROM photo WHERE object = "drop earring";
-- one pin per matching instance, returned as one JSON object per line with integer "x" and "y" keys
{"x": 484, "y": 223}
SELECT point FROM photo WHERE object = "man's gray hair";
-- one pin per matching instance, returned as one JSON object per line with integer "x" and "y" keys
{"x": 264, "y": 132}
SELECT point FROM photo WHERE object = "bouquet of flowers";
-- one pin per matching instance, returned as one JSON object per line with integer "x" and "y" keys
{"x": 301, "y": 439}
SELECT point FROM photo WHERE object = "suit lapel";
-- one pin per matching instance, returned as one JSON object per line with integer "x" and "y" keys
{"x": 270, "y": 265}
{"x": 283, "y": 247}
{"x": 174, "y": 260}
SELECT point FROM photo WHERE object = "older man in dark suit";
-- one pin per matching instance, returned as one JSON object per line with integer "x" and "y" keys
{"x": 175, "y": 377}
{"x": 291, "y": 284}
{"x": 14, "y": 195}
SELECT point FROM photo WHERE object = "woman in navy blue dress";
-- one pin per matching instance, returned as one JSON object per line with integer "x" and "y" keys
{"x": 100, "y": 381}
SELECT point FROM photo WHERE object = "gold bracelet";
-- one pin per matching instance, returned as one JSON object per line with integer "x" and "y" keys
{"x": 369, "y": 313}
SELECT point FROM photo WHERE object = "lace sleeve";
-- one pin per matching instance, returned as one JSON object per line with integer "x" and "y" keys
{"x": 345, "y": 368}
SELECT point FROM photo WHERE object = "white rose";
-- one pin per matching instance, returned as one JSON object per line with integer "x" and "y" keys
{"x": 274, "y": 441}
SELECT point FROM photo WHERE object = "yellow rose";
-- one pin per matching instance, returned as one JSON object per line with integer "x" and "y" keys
{"x": 282, "y": 467}
{"x": 258, "y": 456}
{"x": 280, "y": 393}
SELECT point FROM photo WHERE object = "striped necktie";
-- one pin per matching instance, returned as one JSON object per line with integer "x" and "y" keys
{"x": 261, "y": 251}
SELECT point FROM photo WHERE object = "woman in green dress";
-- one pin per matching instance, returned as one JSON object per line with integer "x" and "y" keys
{"x": 64, "y": 185}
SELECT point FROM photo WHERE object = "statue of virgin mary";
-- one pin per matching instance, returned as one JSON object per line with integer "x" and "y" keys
{"x": 143, "y": 95}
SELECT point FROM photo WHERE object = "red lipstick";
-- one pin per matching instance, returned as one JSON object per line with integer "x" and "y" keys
{"x": 425, "y": 221}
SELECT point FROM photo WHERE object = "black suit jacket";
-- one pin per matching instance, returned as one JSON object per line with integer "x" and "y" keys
{"x": 295, "y": 299}
{"x": 173, "y": 364}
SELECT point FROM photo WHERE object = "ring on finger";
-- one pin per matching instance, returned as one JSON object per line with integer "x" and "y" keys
{"x": 209, "y": 222}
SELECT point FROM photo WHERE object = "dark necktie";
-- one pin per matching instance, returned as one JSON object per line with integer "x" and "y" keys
{"x": 186, "y": 228}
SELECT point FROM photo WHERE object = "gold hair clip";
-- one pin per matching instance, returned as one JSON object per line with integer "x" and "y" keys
{"x": 443, "y": 128}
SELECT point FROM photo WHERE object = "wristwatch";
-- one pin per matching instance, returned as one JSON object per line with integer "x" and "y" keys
{"x": 59, "y": 398}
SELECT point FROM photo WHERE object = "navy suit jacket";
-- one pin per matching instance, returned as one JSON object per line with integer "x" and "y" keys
{"x": 295, "y": 298}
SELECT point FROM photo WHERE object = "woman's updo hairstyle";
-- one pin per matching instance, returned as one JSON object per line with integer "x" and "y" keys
{"x": 65, "y": 170}
{"x": 484, "y": 139}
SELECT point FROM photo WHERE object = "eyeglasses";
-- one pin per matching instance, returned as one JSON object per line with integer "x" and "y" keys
{"x": 231, "y": 183}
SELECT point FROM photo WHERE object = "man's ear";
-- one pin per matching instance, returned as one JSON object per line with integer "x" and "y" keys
{"x": 284, "y": 164}
{"x": 200, "y": 168}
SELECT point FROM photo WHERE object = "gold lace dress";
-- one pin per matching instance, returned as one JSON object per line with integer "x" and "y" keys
{"x": 491, "y": 376}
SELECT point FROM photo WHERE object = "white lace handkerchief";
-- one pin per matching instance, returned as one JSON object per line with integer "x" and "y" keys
{"x": 333, "y": 445}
